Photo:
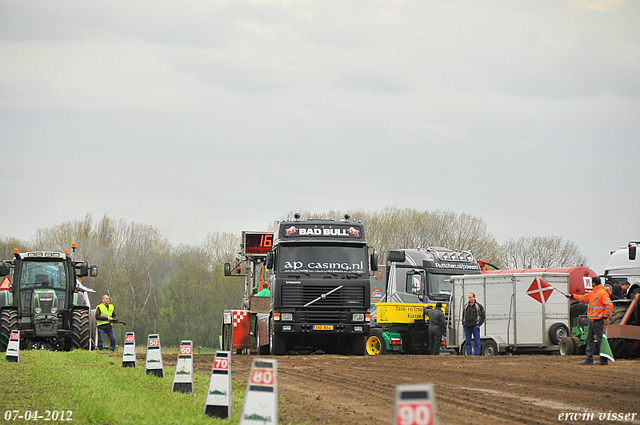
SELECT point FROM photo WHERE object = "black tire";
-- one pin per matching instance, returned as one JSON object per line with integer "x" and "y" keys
{"x": 575, "y": 311}
{"x": 557, "y": 332}
{"x": 358, "y": 345}
{"x": 619, "y": 346}
{"x": 227, "y": 340}
{"x": 277, "y": 343}
{"x": 8, "y": 323}
{"x": 375, "y": 344}
{"x": 567, "y": 346}
{"x": 80, "y": 332}
{"x": 488, "y": 348}
{"x": 579, "y": 348}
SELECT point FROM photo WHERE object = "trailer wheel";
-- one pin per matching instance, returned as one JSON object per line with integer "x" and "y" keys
{"x": 375, "y": 343}
{"x": 488, "y": 348}
{"x": 557, "y": 332}
{"x": 80, "y": 333}
{"x": 8, "y": 323}
{"x": 567, "y": 347}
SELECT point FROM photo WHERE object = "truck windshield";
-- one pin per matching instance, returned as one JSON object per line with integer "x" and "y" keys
{"x": 439, "y": 286}
{"x": 343, "y": 259}
{"x": 40, "y": 274}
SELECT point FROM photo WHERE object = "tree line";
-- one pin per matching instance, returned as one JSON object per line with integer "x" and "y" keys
{"x": 180, "y": 292}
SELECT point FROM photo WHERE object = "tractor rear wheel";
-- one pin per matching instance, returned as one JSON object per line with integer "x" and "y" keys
{"x": 80, "y": 332}
{"x": 8, "y": 323}
{"x": 620, "y": 347}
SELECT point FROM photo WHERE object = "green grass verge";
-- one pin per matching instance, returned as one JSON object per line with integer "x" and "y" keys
{"x": 98, "y": 390}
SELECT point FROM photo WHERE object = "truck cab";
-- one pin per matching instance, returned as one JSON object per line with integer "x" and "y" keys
{"x": 320, "y": 290}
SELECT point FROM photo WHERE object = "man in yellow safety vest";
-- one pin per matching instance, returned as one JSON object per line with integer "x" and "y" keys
{"x": 105, "y": 315}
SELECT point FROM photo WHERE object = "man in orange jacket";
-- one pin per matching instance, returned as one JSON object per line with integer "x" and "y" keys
{"x": 599, "y": 310}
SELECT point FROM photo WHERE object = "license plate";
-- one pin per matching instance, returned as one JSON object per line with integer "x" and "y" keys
{"x": 322, "y": 327}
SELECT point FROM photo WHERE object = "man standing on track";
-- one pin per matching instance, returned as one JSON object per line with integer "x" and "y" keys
{"x": 437, "y": 327}
{"x": 105, "y": 315}
{"x": 472, "y": 318}
{"x": 599, "y": 309}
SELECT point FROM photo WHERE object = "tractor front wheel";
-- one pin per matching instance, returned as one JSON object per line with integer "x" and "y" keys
{"x": 80, "y": 332}
{"x": 8, "y": 323}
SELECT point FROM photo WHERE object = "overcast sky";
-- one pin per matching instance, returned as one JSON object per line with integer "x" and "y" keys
{"x": 212, "y": 116}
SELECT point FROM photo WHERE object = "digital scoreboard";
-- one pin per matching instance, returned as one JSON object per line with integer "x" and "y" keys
{"x": 257, "y": 243}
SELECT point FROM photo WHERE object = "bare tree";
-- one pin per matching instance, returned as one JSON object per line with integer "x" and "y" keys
{"x": 541, "y": 252}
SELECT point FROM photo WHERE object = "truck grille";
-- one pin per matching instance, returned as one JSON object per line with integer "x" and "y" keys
{"x": 323, "y": 317}
{"x": 346, "y": 297}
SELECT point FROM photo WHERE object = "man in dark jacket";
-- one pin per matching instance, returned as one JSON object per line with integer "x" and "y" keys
{"x": 437, "y": 327}
{"x": 472, "y": 318}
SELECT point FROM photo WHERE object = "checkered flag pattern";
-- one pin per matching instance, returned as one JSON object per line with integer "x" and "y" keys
{"x": 239, "y": 316}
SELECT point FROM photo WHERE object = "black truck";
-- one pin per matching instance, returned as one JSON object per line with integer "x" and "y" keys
{"x": 320, "y": 287}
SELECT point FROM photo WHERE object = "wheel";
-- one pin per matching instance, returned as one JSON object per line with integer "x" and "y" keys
{"x": 620, "y": 346}
{"x": 577, "y": 347}
{"x": 567, "y": 346}
{"x": 375, "y": 343}
{"x": 488, "y": 348}
{"x": 8, "y": 323}
{"x": 261, "y": 350}
{"x": 227, "y": 337}
{"x": 557, "y": 332}
{"x": 80, "y": 333}
{"x": 277, "y": 343}
{"x": 358, "y": 345}
{"x": 576, "y": 310}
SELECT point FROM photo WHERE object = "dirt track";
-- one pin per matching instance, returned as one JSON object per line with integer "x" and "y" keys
{"x": 524, "y": 389}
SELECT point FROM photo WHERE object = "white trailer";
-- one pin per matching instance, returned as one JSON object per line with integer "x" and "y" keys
{"x": 515, "y": 321}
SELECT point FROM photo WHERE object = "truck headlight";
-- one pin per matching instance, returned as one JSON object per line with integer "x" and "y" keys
{"x": 357, "y": 328}
{"x": 54, "y": 310}
{"x": 38, "y": 310}
{"x": 287, "y": 316}
{"x": 358, "y": 317}
{"x": 286, "y": 327}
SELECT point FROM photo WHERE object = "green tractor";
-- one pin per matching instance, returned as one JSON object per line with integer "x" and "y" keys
{"x": 46, "y": 302}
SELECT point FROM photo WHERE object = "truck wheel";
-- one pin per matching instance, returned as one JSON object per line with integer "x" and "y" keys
{"x": 80, "y": 333}
{"x": 277, "y": 343}
{"x": 375, "y": 343}
{"x": 8, "y": 323}
{"x": 557, "y": 332}
{"x": 488, "y": 348}
{"x": 567, "y": 347}
{"x": 358, "y": 345}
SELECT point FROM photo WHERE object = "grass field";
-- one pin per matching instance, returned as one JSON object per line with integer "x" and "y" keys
{"x": 94, "y": 388}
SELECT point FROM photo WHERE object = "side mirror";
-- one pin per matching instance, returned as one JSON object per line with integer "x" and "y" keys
{"x": 396, "y": 256}
{"x": 84, "y": 270}
{"x": 270, "y": 260}
{"x": 93, "y": 271}
{"x": 632, "y": 252}
{"x": 5, "y": 269}
{"x": 227, "y": 269}
{"x": 374, "y": 262}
